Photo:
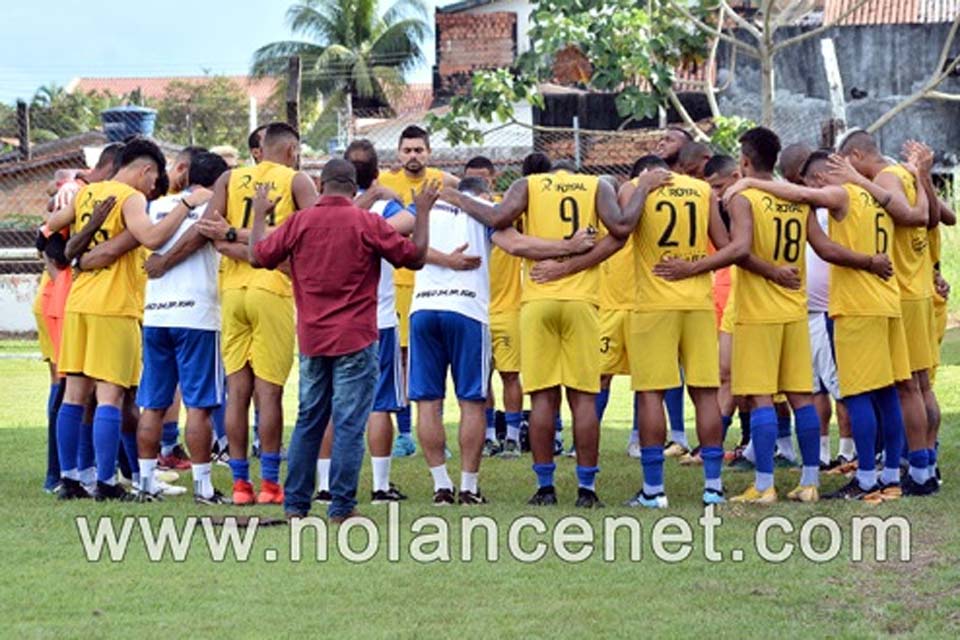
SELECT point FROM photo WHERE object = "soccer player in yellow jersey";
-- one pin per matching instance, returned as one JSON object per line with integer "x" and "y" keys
{"x": 558, "y": 320}
{"x": 771, "y": 340}
{"x": 257, "y": 305}
{"x": 909, "y": 207}
{"x": 101, "y": 335}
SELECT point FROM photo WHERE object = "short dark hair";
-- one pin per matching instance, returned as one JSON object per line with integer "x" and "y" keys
{"x": 340, "y": 172}
{"x": 110, "y": 156}
{"x": 474, "y": 184}
{"x": 277, "y": 131}
{"x": 160, "y": 187}
{"x": 413, "y": 132}
{"x": 815, "y": 158}
{"x": 693, "y": 151}
{"x": 191, "y": 152}
{"x": 859, "y": 140}
{"x": 674, "y": 127}
{"x": 535, "y": 162}
{"x": 649, "y": 161}
{"x": 205, "y": 168}
{"x": 481, "y": 162}
{"x": 719, "y": 164}
{"x": 139, "y": 148}
{"x": 253, "y": 140}
{"x": 762, "y": 146}
{"x": 368, "y": 168}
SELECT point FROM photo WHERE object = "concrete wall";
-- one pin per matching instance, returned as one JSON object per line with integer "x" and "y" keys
{"x": 17, "y": 292}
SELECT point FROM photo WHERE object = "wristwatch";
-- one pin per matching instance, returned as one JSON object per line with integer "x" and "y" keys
{"x": 231, "y": 235}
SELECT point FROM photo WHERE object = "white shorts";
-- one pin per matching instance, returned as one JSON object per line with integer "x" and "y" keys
{"x": 824, "y": 361}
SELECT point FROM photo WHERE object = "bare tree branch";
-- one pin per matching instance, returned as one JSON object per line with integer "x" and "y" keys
{"x": 924, "y": 92}
{"x": 940, "y": 95}
{"x": 789, "y": 42}
{"x": 740, "y": 21}
{"x": 710, "y": 75}
{"x": 948, "y": 44}
{"x": 698, "y": 133}
{"x": 700, "y": 24}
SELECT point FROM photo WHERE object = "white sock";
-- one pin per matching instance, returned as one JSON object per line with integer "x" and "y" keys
{"x": 441, "y": 479}
{"x": 680, "y": 437}
{"x": 468, "y": 481}
{"x": 785, "y": 448}
{"x": 222, "y": 443}
{"x": 202, "y": 486}
{"x": 513, "y": 433}
{"x": 88, "y": 476}
{"x": 748, "y": 453}
{"x": 148, "y": 468}
{"x": 72, "y": 474}
{"x": 847, "y": 448}
{"x": 810, "y": 476}
{"x": 825, "y": 449}
{"x": 135, "y": 479}
{"x": 634, "y": 437}
{"x": 381, "y": 473}
{"x": 491, "y": 433}
{"x": 890, "y": 475}
{"x": 323, "y": 474}
{"x": 166, "y": 450}
{"x": 763, "y": 481}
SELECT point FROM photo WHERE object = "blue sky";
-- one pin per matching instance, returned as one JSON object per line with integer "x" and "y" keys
{"x": 54, "y": 41}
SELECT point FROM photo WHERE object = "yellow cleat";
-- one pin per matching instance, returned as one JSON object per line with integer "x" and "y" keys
{"x": 891, "y": 492}
{"x": 752, "y": 496}
{"x": 804, "y": 493}
{"x": 691, "y": 459}
{"x": 675, "y": 450}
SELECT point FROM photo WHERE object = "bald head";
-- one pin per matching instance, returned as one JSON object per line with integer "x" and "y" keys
{"x": 860, "y": 141}
{"x": 792, "y": 159}
{"x": 693, "y": 159}
{"x": 339, "y": 178}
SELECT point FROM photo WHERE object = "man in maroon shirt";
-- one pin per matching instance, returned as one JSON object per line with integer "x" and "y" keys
{"x": 334, "y": 250}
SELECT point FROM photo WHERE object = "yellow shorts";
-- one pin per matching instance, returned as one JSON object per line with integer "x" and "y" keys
{"x": 505, "y": 335}
{"x": 106, "y": 348}
{"x": 404, "y": 298}
{"x": 614, "y": 337}
{"x": 939, "y": 327}
{"x": 871, "y": 353}
{"x": 659, "y": 340}
{"x": 258, "y": 328}
{"x": 559, "y": 345}
{"x": 918, "y": 325}
{"x": 768, "y": 358}
{"x": 43, "y": 337}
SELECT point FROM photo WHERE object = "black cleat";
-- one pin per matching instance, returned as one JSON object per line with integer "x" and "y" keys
{"x": 216, "y": 499}
{"x": 390, "y": 495}
{"x": 544, "y": 497}
{"x": 911, "y": 487}
{"x": 116, "y": 492}
{"x": 144, "y": 497}
{"x": 492, "y": 448}
{"x": 71, "y": 490}
{"x": 932, "y": 484}
{"x": 853, "y": 491}
{"x": 323, "y": 497}
{"x": 443, "y": 497}
{"x": 469, "y": 497}
{"x": 588, "y": 499}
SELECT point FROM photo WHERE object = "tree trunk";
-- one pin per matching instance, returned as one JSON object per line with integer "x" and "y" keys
{"x": 767, "y": 85}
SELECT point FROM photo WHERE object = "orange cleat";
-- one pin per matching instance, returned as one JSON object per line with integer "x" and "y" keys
{"x": 270, "y": 493}
{"x": 242, "y": 492}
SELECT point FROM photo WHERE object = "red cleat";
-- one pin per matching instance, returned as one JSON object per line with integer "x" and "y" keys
{"x": 243, "y": 492}
{"x": 178, "y": 460}
{"x": 270, "y": 493}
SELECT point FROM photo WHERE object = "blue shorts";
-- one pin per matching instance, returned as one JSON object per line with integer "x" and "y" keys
{"x": 190, "y": 357}
{"x": 389, "y": 395}
{"x": 441, "y": 339}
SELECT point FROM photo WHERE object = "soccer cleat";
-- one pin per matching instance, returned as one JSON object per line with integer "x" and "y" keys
{"x": 691, "y": 459}
{"x": 711, "y": 496}
{"x": 510, "y": 451}
{"x": 177, "y": 459}
{"x": 491, "y": 448}
{"x": 558, "y": 446}
{"x": 841, "y": 465}
{"x": 168, "y": 489}
{"x": 740, "y": 463}
{"x": 443, "y": 497}
{"x": 243, "y": 493}
{"x": 544, "y": 497}
{"x": 71, "y": 490}
{"x": 754, "y": 496}
{"x": 657, "y": 501}
{"x": 219, "y": 456}
{"x": 216, "y": 499}
{"x": 588, "y": 499}
{"x": 392, "y": 494}
{"x": 116, "y": 492}
{"x": 447, "y": 454}
{"x": 633, "y": 450}
{"x": 804, "y": 493}
{"x": 674, "y": 450}
{"x": 571, "y": 452}
{"x": 145, "y": 497}
{"x": 891, "y": 491}
{"x": 781, "y": 461}
{"x": 404, "y": 446}
{"x": 270, "y": 493}
{"x": 166, "y": 476}
{"x": 471, "y": 498}
{"x": 853, "y": 491}
{"x": 932, "y": 484}
{"x": 323, "y": 497}
{"x": 912, "y": 488}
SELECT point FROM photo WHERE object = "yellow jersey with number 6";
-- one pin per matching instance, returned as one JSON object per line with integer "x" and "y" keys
{"x": 780, "y": 238}
{"x": 241, "y": 189}
{"x": 558, "y": 205}
{"x": 911, "y": 259}
{"x": 674, "y": 224}
{"x": 113, "y": 290}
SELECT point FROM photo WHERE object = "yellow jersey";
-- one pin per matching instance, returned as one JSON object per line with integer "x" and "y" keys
{"x": 675, "y": 223}
{"x": 911, "y": 260}
{"x": 558, "y": 205}
{"x": 933, "y": 244}
{"x": 618, "y": 288}
{"x": 403, "y": 184}
{"x": 780, "y": 238}
{"x": 867, "y": 228}
{"x": 115, "y": 290}
{"x": 241, "y": 189}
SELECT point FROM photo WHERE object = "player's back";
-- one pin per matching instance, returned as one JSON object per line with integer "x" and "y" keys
{"x": 618, "y": 289}
{"x": 558, "y": 205}
{"x": 911, "y": 258}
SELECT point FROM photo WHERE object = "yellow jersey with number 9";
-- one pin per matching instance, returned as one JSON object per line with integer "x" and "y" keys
{"x": 241, "y": 189}
{"x": 558, "y": 205}
{"x": 675, "y": 224}
{"x": 867, "y": 228}
{"x": 113, "y": 290}
{"x": 404, "y": 185}
{"x": 780, "y": 238}
{"x": 911, "y": 259}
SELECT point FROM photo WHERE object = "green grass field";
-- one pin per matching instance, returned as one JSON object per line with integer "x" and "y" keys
{"x": 50, "y": 590}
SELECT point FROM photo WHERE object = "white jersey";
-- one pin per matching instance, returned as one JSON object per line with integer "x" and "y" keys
{"x": 186, "y": 296}
{"x": 386, "y": 297}
{"x": 818, "y": 273}
{"x": 441, "y": 289}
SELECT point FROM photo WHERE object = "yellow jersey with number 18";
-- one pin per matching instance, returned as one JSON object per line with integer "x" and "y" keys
{"x": 558, "y": 205}
{"x": 867, "y": 228}
{"x": 780, "y": 238}
{"x": 113, "y": 290}
{"x": 911, "y": 259}
{"x": 241, "y": 189}
{"x": 674, "y": 224}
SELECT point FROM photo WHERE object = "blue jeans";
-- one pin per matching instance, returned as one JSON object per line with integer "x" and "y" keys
{"x": 341, "y": 387}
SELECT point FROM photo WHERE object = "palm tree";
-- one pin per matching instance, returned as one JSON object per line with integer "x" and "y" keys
{"x": 349, "y": 48}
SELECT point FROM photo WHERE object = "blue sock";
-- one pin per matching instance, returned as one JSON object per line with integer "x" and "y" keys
{"x": 106, "y": 441}
{"x": 513, "y": 420}
{"x": 129, "y": 442}
{"x": 919, "y": 461}
{"x": 763, "y": 425}
{"x": 891, "y": 422}
{"x": 491, "y": 424}
{"x": 673, "y": 399}
{"x": 726, "y": 421}
{"x": 651, "y": 459}
{"x": 403, "y": 421}
{"x": 712, "y": 466}
{"x": 808, "y": 436}
{"x": 171, "y": 434}
{"x": 863, "y": 422}
{"x": 85, "y": 456}
{"x": 601, "y": 403}
{"x": 68, "y": 438}
{"x": 586, "y": 477}
{"x": 53, "y": 459}
{"x": 270, "y": 466}
{"x": 240, "y": 468}
{"x": 219, "y": 419}
{"x": 544, "y": 474}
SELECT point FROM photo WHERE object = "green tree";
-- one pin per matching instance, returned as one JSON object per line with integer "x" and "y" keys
{"x": 56, "y": 114}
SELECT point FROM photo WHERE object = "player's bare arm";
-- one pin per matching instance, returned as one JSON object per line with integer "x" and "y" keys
{"x": 730, "y": 248}
{"x": 457, "y": 260}
{"x": 151, "y": 236}
{"x": 878, "y": 264}
{"x": 921, "y": 156}
{"x": 106, "y": 253}
{"x": 304, "y": 191}
{"x": 524, "y": 246}
{"x": 80, "y": 241}
{"x": 831, "y": 197}
{"x": 191, "y": 241}
{"x": 496, "y": 216}
{"x": 423, "y": 201}
{"x": 610, "y": 213}
{"x": 62, "y": 217}
{"x": 784, "y": 276}
{"x": 632, "y": 199}
{"x": 550, "y": 270}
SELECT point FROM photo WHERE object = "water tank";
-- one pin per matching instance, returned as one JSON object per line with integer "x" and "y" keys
{"x": 129, "y": 120}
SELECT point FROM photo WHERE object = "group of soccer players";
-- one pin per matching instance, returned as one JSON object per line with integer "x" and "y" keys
{"x": 703, "y": 270}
